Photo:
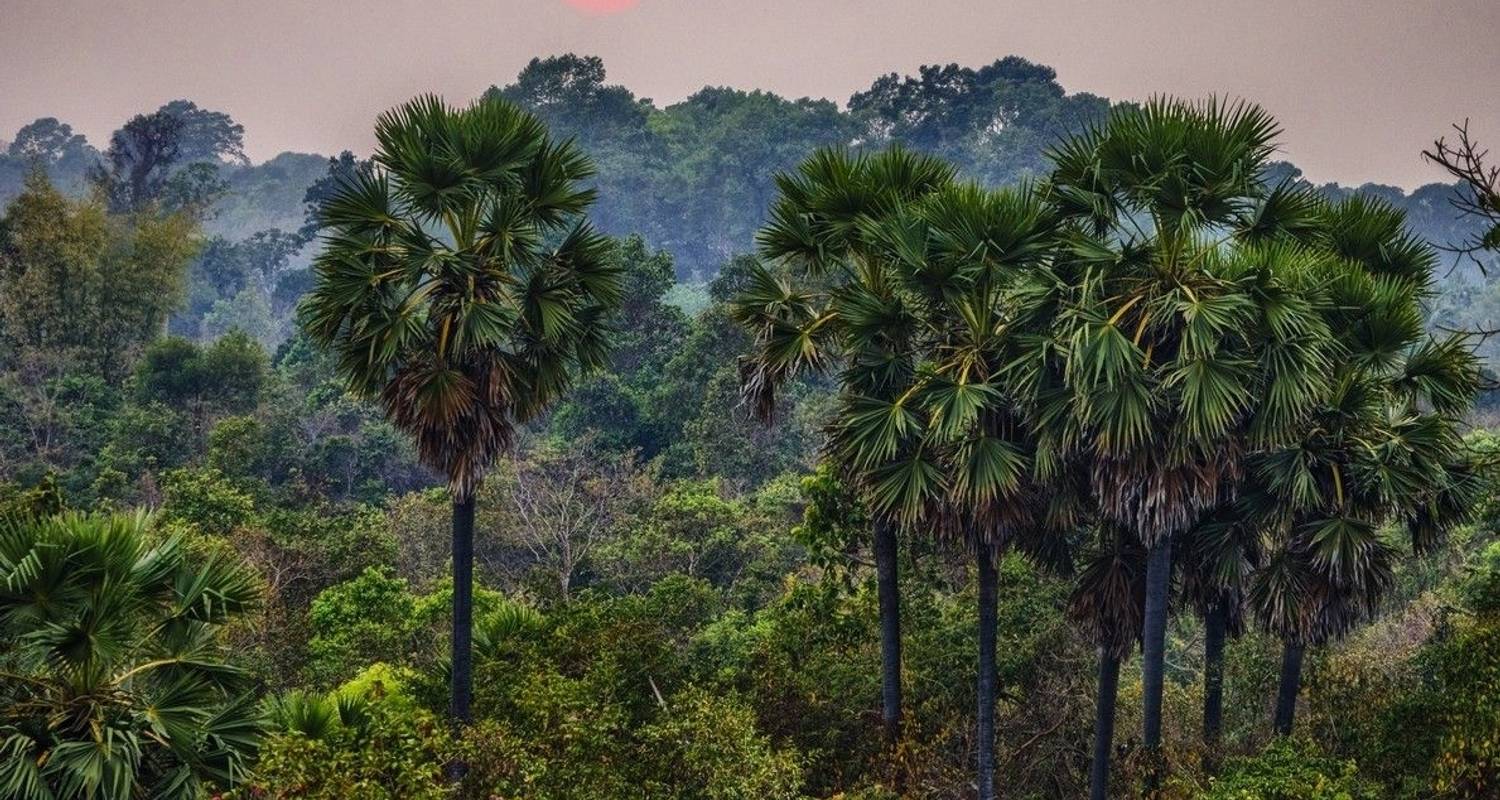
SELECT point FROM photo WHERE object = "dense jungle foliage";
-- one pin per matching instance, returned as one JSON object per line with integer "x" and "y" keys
{"x": 225, "y": 572}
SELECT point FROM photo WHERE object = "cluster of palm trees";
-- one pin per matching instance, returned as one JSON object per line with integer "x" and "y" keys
{"x": 1150, "y": 368}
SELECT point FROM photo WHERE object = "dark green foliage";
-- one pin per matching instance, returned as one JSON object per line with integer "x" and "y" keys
{"x": 225, "y": 376}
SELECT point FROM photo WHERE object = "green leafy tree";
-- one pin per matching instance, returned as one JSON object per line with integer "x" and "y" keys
{"x": 53, "y": 146}
{"x": 223, "y": 377}
{"x": 370, "y": 618}
{"x": 168, "y": 160}
{"x": 117, "y": 684}
{"x": 461, "y": 287}
{"x": 204, "y": 500}
{"x": 994, "y": 122}
{"x": 725, "y": 147}
{"x": 83, "y": 287}
{"x": 569, "y": 93}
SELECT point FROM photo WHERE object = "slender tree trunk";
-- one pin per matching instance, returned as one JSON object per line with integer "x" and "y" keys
{"x": 1104, "y": 724}
{"x": 463, "y": 611}
{"x": 463, "y": 623}
{"x": 890, "y": 630}
{"x": 1215, "y": 624}
{"x": 1153, "y": 652}
{"x": 985, "y": 718}
{"x": 1291, "y": 681}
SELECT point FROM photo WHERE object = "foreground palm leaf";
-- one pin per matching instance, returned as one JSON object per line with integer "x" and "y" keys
{"x": 116, "y": 682}
{"x": 461, "y": 287}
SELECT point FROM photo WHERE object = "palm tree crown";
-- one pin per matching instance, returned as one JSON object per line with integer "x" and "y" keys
{"x": 1383, "y": 445}
{"x": 1190, "y": 326}
{"x": 459, "y": 283}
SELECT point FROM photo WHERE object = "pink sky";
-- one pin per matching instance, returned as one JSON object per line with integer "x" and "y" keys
{"x": 1361, "y": 86}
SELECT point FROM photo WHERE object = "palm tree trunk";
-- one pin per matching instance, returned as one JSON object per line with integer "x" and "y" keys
{"x": 463, "y": 627}
{"x": 890, "y": 630}
{"x": 988, "y": 581}
{"x": 1291, "y": 681}
{"x": 1215, "y": 624}
{"x": 1104, "y": 724}
{"x": 463, "y": 611}
{"x": 1153, "y": 651}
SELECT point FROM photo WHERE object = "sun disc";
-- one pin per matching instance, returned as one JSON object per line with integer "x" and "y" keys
{"x": 603, "y": 6}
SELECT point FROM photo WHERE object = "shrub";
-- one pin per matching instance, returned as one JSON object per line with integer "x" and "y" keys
{"x": 366, "y": 740}
{"x": 706, "y": 746}
{"x": 1289, "y": 770}
{"x": 1468, "y": 686}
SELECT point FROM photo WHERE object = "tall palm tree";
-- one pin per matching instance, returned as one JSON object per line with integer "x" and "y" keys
{"x": 1188, "y": 337}
{"x": 1382, "y": 447}
{"x": 819, "y": 238}
{"x": 462, "y": 288}
{"x": 116, "y": 680}
{"x": 958, "y": 450}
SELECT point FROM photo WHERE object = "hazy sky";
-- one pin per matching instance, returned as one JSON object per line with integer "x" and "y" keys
{"x": 1361, "y": 86}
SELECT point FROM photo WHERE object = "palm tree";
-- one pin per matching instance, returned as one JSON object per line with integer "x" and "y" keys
{"x": 1109, "y": 599}
{"x": 819, "y": 236}
{"x": 1188, "y": 336}
{"x": 461, "y": 287}
{"x": 957, "y": 450}
{"x": 116, "y": 681}
{"x": 1383, "y": 447}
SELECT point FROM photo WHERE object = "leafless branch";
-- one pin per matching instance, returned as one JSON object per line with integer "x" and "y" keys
{"x": 1478, "y": 193}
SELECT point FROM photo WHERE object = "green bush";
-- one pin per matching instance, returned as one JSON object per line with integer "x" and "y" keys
{"x": 706, "y": 747}
{"x": 357, "y": 622}
{"x": 1290, "y": 770}
{"x": 367, "y": 740}
{"x": 1480, "y": 589}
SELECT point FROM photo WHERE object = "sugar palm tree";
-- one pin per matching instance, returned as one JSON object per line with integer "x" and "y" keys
{"x": 1189, "y": 336}
{"x": 1382, "y": 448}
{"x": 116, "y": 683}
{"x": 830, "y": 307}
{"x": 958, "y": 451}
{"x": 461, "y": 287}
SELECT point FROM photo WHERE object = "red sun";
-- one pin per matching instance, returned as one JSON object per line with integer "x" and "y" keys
{"x": 603, "y": 6}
